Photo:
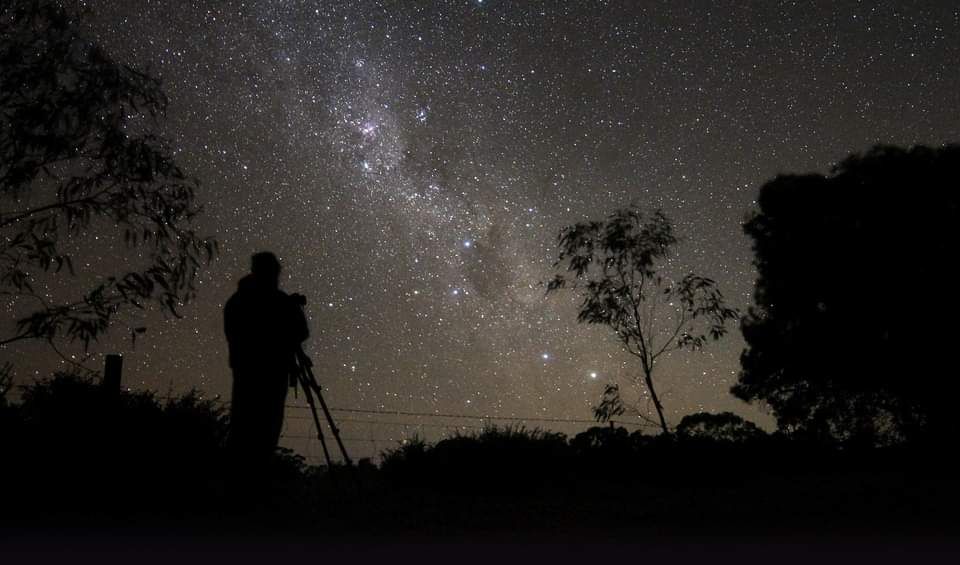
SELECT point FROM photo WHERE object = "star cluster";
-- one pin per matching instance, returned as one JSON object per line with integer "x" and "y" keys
{"x": 412, "y": 162}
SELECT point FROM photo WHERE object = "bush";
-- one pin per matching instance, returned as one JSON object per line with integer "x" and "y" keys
{"x": 75, "y": 447}
{"x": 494, "y": 460}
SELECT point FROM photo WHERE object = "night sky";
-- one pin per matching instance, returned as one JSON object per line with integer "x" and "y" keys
{"x": 412, "y": 162}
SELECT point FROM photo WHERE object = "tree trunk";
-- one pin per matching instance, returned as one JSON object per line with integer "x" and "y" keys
{"x": 656, "y": 403}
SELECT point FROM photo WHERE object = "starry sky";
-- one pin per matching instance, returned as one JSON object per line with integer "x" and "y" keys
{"x": 412, "y": 162}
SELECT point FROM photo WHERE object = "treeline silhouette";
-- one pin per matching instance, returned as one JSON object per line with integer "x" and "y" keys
{"x": 79, "y": 456}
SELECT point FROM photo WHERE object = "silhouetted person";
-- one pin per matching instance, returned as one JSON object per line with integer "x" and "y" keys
{"x": 265, "y": 327}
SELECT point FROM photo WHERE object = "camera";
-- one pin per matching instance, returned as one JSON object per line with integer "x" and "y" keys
{"x": 298, "y": 299}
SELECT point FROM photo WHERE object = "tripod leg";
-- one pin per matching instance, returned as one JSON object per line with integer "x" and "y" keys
{"x": 316, "y": 419}
{"x": 333, "y": 428}
{"x": 309, "y": 383}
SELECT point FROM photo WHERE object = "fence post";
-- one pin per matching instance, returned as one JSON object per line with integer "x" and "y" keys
{"x": 112, "y": 371}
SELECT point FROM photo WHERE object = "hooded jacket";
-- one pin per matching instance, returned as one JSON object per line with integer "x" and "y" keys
{"x": 264, "y": 327}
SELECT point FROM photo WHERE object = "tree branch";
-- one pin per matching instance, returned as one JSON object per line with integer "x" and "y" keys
{"x": 667, "y": 344}
{"x": 22, "y": 215}
{"x": 25, "y": 335}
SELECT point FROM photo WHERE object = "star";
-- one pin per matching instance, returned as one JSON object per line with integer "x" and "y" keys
{"x": 413, "y": 168}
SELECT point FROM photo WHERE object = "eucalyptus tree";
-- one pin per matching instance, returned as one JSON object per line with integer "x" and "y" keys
{"x": 81, "y": 158}
{"x": 616, "y": 266}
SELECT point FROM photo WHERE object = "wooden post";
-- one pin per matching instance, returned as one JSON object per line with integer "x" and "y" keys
{"x": 112, "y": 370}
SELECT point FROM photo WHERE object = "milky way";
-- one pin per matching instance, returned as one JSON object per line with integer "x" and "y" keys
{"x": 412, "y": 162}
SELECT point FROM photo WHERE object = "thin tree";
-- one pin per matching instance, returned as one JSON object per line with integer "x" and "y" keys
{"x": 79, "y": 155}
{"x": 615, "y": 265}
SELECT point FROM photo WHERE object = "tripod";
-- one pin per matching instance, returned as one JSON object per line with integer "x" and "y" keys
{"x": 304, "y": 376}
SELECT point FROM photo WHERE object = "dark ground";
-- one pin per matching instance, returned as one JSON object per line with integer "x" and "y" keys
{"x": 77, "y": 483}
{"x": 877, "y": 509}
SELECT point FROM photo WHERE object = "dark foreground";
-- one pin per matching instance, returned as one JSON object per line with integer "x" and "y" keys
{"x": 120, "y": 547}
{"x": 785, "y": 517}
{"x": 115, "y": 476}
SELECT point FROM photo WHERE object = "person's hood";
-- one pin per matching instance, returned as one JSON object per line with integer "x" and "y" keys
{"x": 248, "y": 284}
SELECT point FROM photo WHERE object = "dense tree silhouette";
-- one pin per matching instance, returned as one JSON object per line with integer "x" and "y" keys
{"x": 854, "y": 304}
{"x": 614, "y": 264}
{"x": 79, "y": 154}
